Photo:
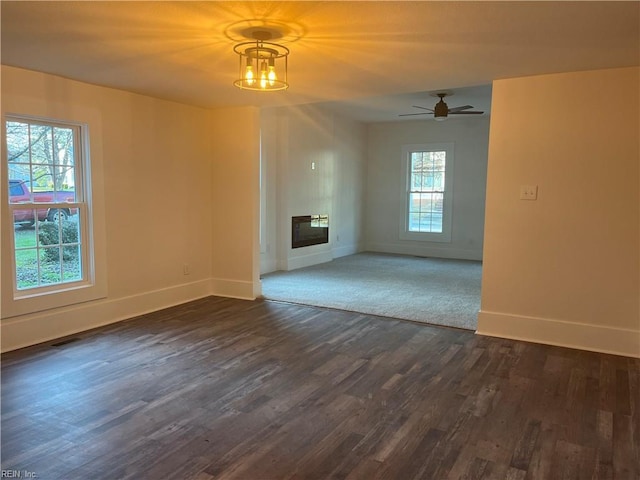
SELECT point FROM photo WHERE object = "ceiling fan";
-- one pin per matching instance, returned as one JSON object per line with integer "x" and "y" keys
{"x": 441, "y": 111}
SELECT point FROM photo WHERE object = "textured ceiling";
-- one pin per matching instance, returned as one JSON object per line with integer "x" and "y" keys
{"x": 340, "y": 51}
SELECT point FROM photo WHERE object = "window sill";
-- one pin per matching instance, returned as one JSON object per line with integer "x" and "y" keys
{"x": 444, "y": 237}
{"x": 25, "y": 303}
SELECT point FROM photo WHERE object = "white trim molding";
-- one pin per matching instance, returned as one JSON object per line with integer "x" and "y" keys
{"x": 241, "y": 289}
{"x": 314, "y": 258}
{"x": 596, "y": 338}
{"x": 425, "y": 249}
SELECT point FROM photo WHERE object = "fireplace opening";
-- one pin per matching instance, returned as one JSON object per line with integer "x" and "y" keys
{"x": 309, "y": 230}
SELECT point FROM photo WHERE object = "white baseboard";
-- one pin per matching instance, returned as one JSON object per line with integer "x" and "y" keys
{"x": 425, "y": 250}
{"x": 345, "y": 250}
{"x": 241, "y": 289}
{"x": 596, "y": 338}
{"x": 308, "y": 260}
{"x": 25, "y": 330}
{"x": 270, "y": 265}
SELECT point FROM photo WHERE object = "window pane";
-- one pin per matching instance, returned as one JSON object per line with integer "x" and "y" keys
{"x": 25, "y": 235}
{"x": 438, "y": 181}
{"x": 48, "y": 253}
{"x": 17, "y": 144}
{"x": 425, "y": 222}
{"x": 41, "y": 144}
{"x": 414, "y": 202}
{"x": 24, "y": 217}
{"x": 15, "y": 190}
{"x": 61, "y": 237}
{"x": 70, "y": 238}
{"x": 42, "y": 186}
{"x": 72, "y": 264}
{"x": 414, "y": 222}
{"x": 63, "y": 169}
{"x": 427, "y": 171}
{"x": 435, "y": 223}
{"x": 439, "y": 160}
{"x": 26, "y": 268}
{"x": 49, "y": 265}
{"x": 416, "y": 182}
{"x": 41, "y": 163}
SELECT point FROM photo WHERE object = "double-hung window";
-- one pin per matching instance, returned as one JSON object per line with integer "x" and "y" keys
{"x": 427, "y": 186}
{"x": 47, "y": 168}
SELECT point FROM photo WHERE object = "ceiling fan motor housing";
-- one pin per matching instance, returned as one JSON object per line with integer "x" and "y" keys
{"x": 441, "y": 110}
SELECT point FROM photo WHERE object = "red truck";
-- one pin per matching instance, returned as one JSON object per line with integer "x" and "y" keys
{"x": 20, "y": 193}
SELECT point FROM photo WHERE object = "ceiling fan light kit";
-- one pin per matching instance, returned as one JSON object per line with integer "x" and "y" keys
{"x": 441, "y": 111}
{"x": 263, "y": 64}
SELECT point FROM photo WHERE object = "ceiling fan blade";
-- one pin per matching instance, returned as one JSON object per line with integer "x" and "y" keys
{"x": 410, "y": 114}
{"x": 422, "y": 108}
{"x": 457, "y": 109}
{"x": 465, "y": 113}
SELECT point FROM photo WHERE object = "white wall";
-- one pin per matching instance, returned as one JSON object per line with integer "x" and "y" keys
{"x": 314, "y": 163}
{"x": 153, "y": 161}
{"x": 384, "y": 203}
{"x": 564, "y": 269}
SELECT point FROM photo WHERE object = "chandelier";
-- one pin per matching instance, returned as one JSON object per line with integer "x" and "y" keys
{"x": 262, "y": 64}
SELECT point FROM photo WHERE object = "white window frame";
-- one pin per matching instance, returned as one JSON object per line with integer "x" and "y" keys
{"x": 447, "y": 213}
{"x": 93, "y": 283}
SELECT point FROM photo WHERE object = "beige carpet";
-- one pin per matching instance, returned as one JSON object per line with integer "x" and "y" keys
{"x": 430, "y": 290}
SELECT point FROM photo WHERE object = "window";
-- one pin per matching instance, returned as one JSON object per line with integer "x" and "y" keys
{"x": 426, "y": 190}
{"x": 48, "y": 205}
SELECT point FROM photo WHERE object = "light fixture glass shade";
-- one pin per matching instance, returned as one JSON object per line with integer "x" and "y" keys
{"x": 263, "y": 66}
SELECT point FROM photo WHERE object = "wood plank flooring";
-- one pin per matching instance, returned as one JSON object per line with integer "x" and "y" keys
{"x": 229, "y": 389}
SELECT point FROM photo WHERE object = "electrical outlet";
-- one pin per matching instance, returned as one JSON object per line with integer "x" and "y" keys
{"x": 186, "y": 270}
{"x": 528, "y": 192}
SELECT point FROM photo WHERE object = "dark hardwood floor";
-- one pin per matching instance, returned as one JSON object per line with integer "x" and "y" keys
{"x": 231, "y": 389}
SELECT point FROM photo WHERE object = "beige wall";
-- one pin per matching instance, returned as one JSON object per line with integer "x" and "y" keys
{"x": 151, "y": 160}
{"x": 565, "y": 268}
{"x": 235, "y": 202}
{"x": 384, "y": 205}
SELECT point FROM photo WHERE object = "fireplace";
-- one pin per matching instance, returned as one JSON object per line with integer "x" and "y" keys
{"x": 309, "y": 230}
